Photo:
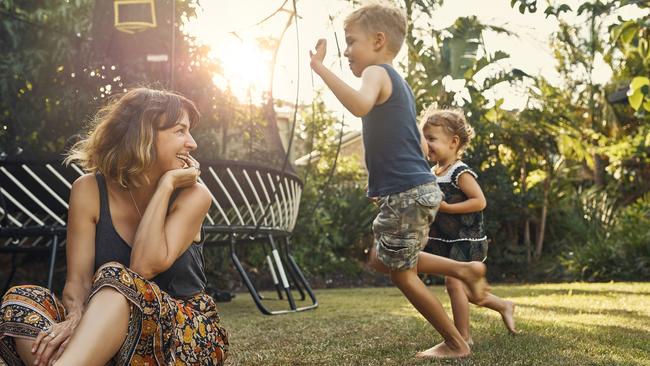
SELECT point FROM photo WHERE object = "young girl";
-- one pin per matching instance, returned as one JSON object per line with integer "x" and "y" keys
{"x": 457, "y": 232}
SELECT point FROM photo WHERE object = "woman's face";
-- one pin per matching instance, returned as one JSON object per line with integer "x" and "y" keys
{"x": 172, "y": 143}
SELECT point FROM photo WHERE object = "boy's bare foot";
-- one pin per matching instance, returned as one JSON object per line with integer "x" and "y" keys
{"x": 477, "y": 286}
{"x": 470, "y": 342}
{"x": 508, "y": 316}
{"x": 443, "y": 350}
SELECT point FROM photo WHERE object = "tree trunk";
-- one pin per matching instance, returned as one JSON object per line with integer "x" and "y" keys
{"x": 524, "y": 188}
{"x": 539, "y": 244}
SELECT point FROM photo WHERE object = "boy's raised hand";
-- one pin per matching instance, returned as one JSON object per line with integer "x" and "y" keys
{"x": 321, "y": 50}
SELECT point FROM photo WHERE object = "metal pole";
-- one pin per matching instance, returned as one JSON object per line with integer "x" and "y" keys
{"x": 173, "y": 48}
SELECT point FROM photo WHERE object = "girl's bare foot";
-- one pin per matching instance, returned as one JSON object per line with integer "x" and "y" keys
{"x": 470, "y": 342}
{"x": 508, "y": 316}
{"x": 477, "y": 286}
{"x": 443, "y": 350}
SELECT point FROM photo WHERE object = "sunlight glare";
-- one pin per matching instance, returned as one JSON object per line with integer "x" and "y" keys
{"x": 245, "y": 67}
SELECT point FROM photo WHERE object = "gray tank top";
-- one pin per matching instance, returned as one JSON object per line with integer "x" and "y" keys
{"x": 185, "y": 278}
{"x": 391, "y": 138}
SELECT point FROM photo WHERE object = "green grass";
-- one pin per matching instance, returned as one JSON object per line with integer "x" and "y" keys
{"x": 562, "y": 324}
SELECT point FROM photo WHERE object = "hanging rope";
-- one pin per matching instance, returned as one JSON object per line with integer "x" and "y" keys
{"x": 274, "y": 193}
{"x": 330, "y": 174}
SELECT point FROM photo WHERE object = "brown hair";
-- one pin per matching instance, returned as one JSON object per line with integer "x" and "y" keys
{"x": 121, "y": 141}
{"x": 454, "y": 123}
{"x": 380, "y": 18}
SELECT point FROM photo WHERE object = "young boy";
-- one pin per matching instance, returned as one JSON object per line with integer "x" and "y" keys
{"x": 398, "y": 173}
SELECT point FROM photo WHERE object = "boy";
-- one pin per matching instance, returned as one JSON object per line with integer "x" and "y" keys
{"x": 398, "y": 173}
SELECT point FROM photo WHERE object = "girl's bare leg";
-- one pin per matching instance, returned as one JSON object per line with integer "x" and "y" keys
{"x": 459, "y": 307}
{"x": 504, "y": 307}
{"x": 101, "y": 331}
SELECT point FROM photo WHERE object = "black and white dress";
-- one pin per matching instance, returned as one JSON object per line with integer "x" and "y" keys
{"x": 457, "y": 236}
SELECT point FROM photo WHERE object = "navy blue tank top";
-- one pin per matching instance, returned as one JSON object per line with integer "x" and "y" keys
{"x": 185, "y": 278}
{"x": 392, "y": 142}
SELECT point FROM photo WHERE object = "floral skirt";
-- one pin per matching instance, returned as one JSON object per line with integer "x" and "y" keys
{"x": 162, "y": 330}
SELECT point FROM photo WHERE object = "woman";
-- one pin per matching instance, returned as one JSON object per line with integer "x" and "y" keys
{"x": 135, "y": 223}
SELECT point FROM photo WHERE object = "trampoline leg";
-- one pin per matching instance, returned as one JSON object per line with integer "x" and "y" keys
{"x": 291, "y": 271}
{"x": 244, "y": 276}
{"x": 50, "y": 275}
{"x": 283, "y": 276}
{"x": 294, "y": 266}
{"x": 11, "y": 274}
{"x": 274, "y": 272}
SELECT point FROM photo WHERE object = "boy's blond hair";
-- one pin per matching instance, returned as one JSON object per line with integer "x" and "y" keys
{"x": 375, "y": 18}
{"x": 454, "y": 123}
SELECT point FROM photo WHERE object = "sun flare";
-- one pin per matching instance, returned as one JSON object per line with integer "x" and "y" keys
{"x": 245, "y": 67}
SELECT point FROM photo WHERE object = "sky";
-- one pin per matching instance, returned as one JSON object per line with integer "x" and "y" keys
{"x": 229, "y": 27}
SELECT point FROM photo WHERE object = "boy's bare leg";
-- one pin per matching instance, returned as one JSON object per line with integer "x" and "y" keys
{"x": 504, "y": 307}
{"x": 471, "y": 273}
{"x": 428, "y": 305}
{"x": 459, "y": 307}
{"x": 101, "y": 331}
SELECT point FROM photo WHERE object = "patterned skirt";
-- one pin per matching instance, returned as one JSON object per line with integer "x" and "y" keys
{"x": 162, "y": 330}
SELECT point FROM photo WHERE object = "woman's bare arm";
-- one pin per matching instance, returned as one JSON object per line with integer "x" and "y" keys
{"x": 164, "y": 236}
{"x": 80, "y": 244}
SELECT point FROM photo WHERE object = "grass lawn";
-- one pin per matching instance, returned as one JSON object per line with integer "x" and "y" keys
{"x": 562, "y": 324}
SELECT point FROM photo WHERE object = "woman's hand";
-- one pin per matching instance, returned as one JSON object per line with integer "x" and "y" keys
{"x": 183, "y": 177}
{"x": 444, "y": 207}
{"x": 49, "y": 345}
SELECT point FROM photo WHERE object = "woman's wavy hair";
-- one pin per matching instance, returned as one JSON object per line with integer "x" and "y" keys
{"x": 121, "y": 140}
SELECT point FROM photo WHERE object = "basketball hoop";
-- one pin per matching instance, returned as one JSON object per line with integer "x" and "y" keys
{"x": 133, "y": 16}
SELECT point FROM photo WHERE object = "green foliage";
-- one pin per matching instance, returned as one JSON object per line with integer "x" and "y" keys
{"x": 335, "y": 215}
{"x": 639, "y": 94}
{"x": 54, "y": 75}
{"x": 619, "y": 249}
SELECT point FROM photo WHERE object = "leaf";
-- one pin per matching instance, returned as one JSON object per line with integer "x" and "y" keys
{"x": 583, "y": 7}
{"x": 550, "y": 10}
{"x": 639, "y": 82}
{"x": 628, "y": 32}
{"x": 499, "y": 55}
{"x": 492, "y": 115}
{"x": 635, "y": 99}
{"x": 646, "y": 106}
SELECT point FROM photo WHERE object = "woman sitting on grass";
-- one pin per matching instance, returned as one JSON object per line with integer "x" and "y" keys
{"x": 134, "y": 291}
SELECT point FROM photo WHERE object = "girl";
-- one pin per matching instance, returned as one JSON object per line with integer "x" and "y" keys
{"x": 134, "y": 291}
{"x": 457, "y": 232}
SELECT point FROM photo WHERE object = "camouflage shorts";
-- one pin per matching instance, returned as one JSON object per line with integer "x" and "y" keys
{"x": 402, "y": 226}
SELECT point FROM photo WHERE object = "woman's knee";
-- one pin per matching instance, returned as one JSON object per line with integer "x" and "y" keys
{"x": 109, "y": 269}
{"x": 27, "y": 294}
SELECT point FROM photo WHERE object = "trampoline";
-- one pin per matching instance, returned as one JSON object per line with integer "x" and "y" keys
{"x": 251, "y": 205}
